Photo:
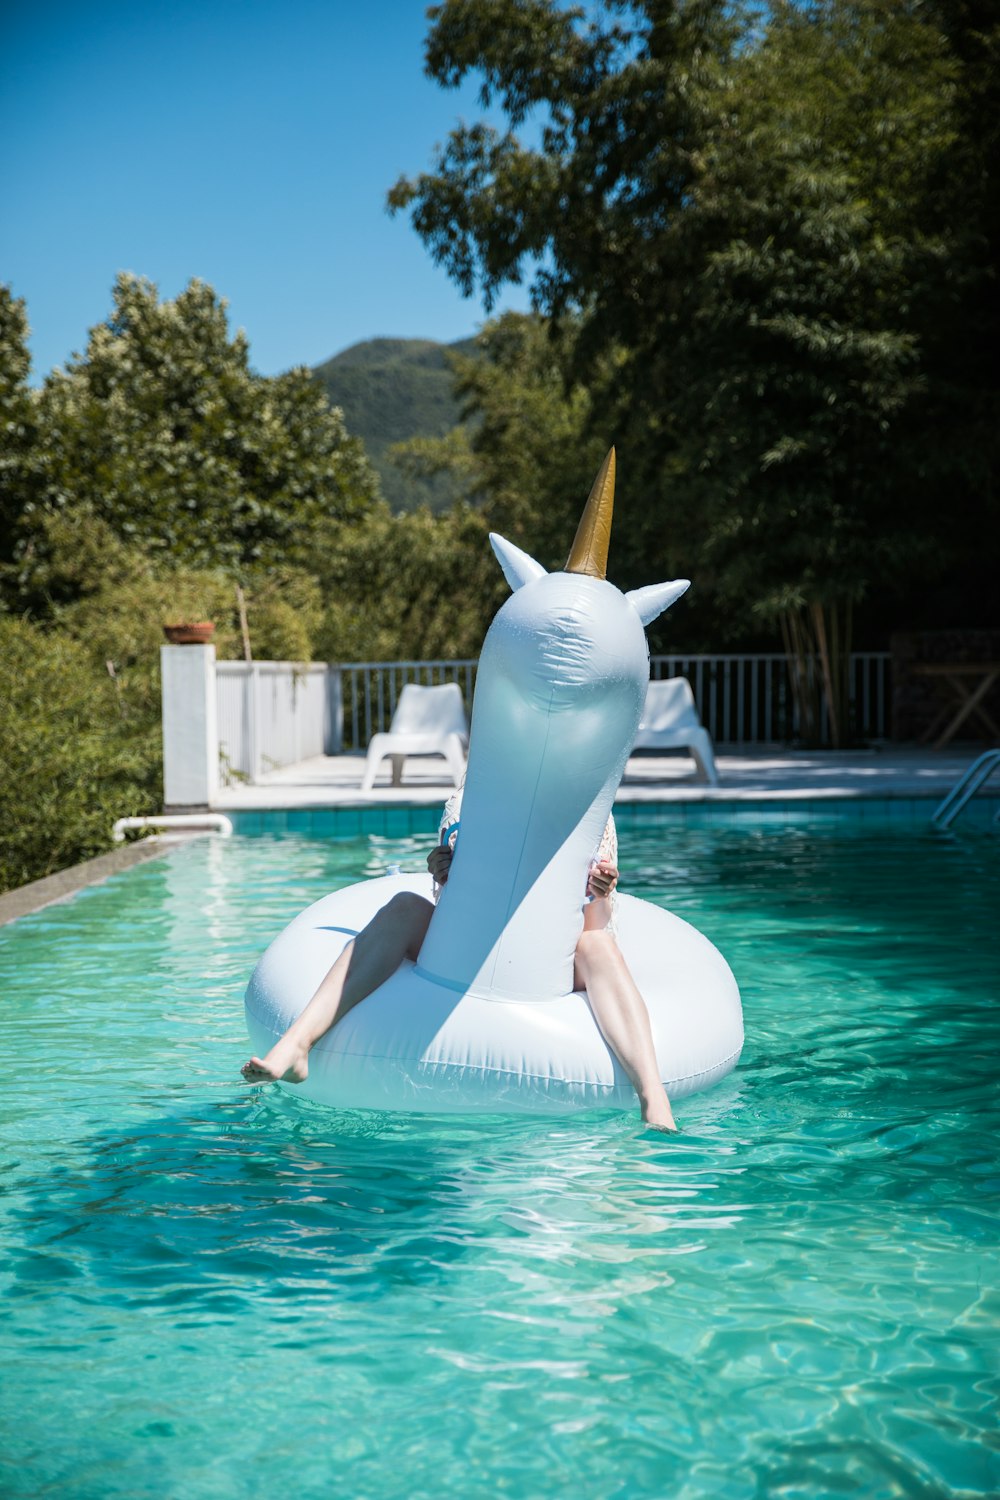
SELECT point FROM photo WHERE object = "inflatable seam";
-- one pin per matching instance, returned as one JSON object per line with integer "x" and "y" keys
{"x": 503, "y": 1072}
{"x": 733, "y": 1056}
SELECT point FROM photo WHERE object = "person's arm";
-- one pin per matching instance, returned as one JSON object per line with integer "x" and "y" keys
{"x": 601, "y": 883}
{"x": 599, "y": 910}
{"x": 439, "y": 863}
{"x": 439, "y": 859}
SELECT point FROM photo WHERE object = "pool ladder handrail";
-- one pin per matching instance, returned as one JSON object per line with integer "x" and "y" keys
{"x": 965, "y": 788}
{"x": 194, "y": 822}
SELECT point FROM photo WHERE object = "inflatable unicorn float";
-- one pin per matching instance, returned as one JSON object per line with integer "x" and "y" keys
{"x": 488, "y": 1019}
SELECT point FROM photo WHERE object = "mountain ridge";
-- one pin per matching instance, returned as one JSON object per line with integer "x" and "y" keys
{"x": 393, "y": 389}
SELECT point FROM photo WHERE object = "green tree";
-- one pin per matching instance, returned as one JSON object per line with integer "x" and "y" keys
{"x": 74, "y": 757}
{"x": 960, "y": 326}
{"x": 797, "y": 363}
{"x": 530, "y": 446}
{"x": 746, "y": 212}
{"x": 617, "y": 100}
{"x": 16, "y": 413}
{"x": 162, "y": 430}
{"x": 410, "y": 586}
{"x": 116, "y": 598}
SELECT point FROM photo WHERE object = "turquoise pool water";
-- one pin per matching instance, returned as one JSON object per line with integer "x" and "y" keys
{"x": 212, "y": 1290}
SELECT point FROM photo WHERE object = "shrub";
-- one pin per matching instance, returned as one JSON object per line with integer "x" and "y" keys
{"x": 75, "y": 756}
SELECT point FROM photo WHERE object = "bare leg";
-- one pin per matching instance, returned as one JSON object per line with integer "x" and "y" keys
{"x": 394, "y": 933}
{"x": 621, "y": 1013}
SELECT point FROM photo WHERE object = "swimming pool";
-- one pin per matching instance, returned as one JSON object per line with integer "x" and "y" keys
{"x": 213, "y": 1290}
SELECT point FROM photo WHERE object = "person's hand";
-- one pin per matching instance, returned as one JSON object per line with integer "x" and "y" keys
{"x": 439, "y": 863}
{"x": 603, "y": 879}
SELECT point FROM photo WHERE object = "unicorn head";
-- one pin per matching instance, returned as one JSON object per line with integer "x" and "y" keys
{"x": 567, "y": 633}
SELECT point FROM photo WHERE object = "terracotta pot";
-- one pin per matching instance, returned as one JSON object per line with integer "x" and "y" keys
{"x": 190, "y": 633}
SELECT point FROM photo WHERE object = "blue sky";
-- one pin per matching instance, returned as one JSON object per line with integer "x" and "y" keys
{"x": 247, "y": 142}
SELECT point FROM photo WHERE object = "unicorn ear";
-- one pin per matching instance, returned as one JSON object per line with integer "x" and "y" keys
{"x": 652, "y": 601}
{"x": 518, "y": 567}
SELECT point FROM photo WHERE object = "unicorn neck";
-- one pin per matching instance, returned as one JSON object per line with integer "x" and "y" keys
{"x": 510, "y": 916}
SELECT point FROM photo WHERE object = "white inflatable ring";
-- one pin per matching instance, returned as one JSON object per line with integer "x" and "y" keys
{"x": 415, "y": 1045}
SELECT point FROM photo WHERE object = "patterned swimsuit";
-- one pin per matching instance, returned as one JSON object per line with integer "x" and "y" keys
{"x": 451, "y": 821}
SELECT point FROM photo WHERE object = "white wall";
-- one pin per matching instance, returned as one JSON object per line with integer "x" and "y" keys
{"x": 241, "y": 717}
{"x": 190, "y": 727}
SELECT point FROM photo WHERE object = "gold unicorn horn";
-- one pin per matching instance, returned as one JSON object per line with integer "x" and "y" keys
{"x": 589, "y": 553}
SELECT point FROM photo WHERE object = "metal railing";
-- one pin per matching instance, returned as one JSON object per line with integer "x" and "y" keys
{"x": 371, "y": 691}
{"x": 275, "y": 714}
{"x": 746, "y": 698}
{"x": 965, "y": 788}
{"x": 742, "y": 698}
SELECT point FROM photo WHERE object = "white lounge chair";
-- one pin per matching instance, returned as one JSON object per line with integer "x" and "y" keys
{"x": 427, "y": 721}
{"x": 670, "y": 722}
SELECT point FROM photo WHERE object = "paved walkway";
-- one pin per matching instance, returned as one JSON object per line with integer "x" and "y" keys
{"x": 752, "y": 775}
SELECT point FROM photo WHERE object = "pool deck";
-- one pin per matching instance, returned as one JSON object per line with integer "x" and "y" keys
{"x": 51, "y": 889}
{"x": 760, "y": 774}
{"x": 746, "y": 778}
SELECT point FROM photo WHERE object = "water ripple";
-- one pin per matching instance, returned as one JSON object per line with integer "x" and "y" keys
{"x": 219, "y": 1291}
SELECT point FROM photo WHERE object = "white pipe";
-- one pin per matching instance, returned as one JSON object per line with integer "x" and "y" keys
{"x": 214, "y": 822}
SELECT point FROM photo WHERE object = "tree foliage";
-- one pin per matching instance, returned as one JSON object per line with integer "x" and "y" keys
{"x": 140, "y": 486}
{"x": 413, "y": 586}
{"x": 17, "y": 428}
{"x": 75, "y": 755}
{"x": 163, "y": 431}
{"x": 752, "y": 221}
{"x": 617, "y": 100}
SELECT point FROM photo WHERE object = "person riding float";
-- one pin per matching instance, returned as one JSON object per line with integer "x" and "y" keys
{"x": 482, "y": 1002}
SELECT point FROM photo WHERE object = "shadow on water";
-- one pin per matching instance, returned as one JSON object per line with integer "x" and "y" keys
{"x": 266, "y": 1198}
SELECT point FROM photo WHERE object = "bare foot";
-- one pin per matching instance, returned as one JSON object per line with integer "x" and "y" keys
{"x": 285, "y": 1063}
{"x": 657, "y": 1114}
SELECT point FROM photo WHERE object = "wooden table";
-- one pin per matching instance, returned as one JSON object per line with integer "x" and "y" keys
{"x": 969, "y": 681}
